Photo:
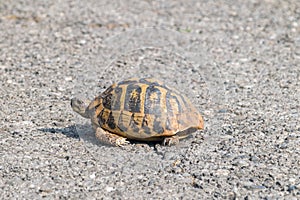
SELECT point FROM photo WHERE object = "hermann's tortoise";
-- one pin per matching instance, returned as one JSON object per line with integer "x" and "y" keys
{"x": 140, "y": 109}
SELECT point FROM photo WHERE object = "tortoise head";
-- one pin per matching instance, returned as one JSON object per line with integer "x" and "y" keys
{"x": 80, "y": 106}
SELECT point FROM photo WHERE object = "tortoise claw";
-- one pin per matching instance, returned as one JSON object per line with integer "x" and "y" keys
{"x": 169, "y": 141}
{"x": 120, "y": 142}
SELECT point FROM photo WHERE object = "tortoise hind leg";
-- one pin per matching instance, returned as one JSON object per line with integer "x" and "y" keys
{"x": 110, "y": 138}
{"x": 172, "y": 140}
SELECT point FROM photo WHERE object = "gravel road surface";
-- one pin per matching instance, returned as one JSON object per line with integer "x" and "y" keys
{"x": 238, "y": 61}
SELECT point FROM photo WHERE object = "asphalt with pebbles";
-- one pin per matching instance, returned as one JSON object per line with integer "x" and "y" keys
{"x": 238, "y": 62}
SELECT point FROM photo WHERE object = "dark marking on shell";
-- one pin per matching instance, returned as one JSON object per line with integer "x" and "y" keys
{"x": 169, "y": 97}
{"x": 107, "y": 101}
{"x": 168, "y": 124}
{"x": 101, "y": 119}
{"x": 152, "y": 82}
{"x": 133, "y": 124}
{"x": 157, "y": 126}
{"x": 182, "y": 122}
{"x": 117, "y": 99}
{"x": 145, "y": 125}
{"x": 152, "y": 106}
{"x": 111, "y": 121}
{"x": 133, "y": 99}
{"x": 186, "y": 105}
{"x": 121, "y": 124}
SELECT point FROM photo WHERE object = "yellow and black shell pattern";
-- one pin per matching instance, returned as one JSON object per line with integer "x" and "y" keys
{"x": 144, "y": 109}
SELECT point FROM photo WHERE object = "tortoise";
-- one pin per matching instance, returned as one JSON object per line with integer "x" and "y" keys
{"x": 142, "y": 109}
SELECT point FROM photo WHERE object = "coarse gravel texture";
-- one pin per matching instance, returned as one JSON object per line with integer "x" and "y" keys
{"x": 238, "y": 61}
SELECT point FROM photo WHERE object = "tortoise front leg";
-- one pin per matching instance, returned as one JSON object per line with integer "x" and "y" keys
{"x": 172, "y": 140}
{"x": 110, "y": 138}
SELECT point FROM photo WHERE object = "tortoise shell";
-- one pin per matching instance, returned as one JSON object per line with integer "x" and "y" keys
{"x": 144, "y": 109}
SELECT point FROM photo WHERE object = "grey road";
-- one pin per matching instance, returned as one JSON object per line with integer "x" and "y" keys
{"x": 238, "y": 62}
